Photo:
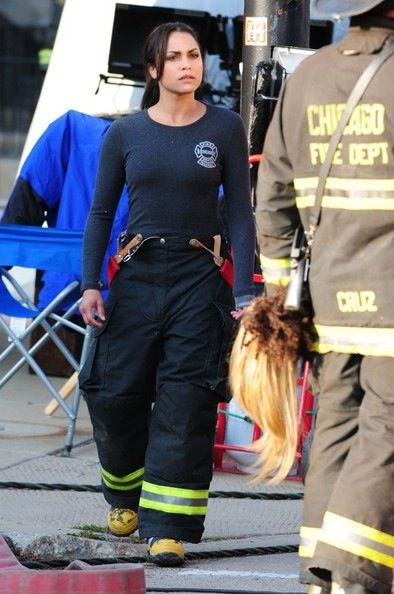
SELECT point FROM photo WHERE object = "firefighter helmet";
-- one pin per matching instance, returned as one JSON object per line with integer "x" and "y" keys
{"x": 337, "y": 9}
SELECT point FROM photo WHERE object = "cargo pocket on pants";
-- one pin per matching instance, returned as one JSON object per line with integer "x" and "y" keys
{"x": 92, "y": 373}
{"x": 222, "y": 334}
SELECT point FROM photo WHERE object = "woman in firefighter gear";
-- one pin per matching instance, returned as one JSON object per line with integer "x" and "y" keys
{"x": 164, "y": 332}
{"x": 347, "y": 542}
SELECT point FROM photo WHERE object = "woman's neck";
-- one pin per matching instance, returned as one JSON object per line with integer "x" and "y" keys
{"x": 177, "y": 113}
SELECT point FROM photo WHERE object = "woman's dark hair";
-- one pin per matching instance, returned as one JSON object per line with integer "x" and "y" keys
{"x": 154, "y": 53}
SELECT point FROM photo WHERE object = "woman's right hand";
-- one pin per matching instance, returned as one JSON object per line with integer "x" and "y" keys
{"x": 92, "y": 308}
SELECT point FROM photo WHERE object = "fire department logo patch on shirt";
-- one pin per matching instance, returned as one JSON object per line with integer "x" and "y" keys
{"x": 206, "y": 153}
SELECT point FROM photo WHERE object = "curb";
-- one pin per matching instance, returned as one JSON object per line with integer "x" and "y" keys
{"x": 77, "y": 578}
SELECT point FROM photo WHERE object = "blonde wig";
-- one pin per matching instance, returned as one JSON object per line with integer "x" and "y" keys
{"x": 263, "y": 374}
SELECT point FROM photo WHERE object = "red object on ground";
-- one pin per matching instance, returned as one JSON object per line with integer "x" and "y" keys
{"x": 77, "y": 578}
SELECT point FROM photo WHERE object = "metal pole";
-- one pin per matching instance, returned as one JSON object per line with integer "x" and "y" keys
{"x": 268, "y": 23}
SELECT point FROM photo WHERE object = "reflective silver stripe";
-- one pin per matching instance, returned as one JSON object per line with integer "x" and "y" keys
{"x": 348, "y": 202}
{"x": 351, "y": 194}
{"x": 368, "y": 186}
{"x": 174, "y": 500}
{"x": 353, "y": 339}
{"x": 357, "y": 538}
{"x": 308, "y": 541}
{"x": 275, "y": 276}
{"x": 276, "y": 271}
{"x": 347, "y": 193}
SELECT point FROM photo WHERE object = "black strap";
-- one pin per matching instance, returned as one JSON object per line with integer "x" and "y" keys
{"x": 355, "y": 96}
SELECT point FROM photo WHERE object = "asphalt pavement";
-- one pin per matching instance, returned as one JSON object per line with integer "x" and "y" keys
{"x": 52, "y": 511}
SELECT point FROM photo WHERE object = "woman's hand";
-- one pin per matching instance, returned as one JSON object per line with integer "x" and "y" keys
{"x": 92, "y": 308}
{"x": 237, "y": 313}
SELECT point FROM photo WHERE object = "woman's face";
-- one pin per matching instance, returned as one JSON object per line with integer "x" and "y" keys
{"x": 183, "y": 66}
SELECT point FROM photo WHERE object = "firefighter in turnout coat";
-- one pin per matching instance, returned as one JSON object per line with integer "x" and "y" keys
{"x": 346, "y": 539}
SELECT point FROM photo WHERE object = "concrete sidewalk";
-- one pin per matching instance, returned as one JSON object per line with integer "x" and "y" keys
{"x": 51, "y": 507}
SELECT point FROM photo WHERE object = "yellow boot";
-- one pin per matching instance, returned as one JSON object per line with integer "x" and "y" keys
{"x": 122, "y": 521}
{"x": 166, "y": 552}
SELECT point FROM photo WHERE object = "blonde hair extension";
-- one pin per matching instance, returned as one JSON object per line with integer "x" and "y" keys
{"x": 263, "y": 377}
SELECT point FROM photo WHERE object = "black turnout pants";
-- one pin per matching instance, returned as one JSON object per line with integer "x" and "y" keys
{"x": 165, "y": 341}
{"x": 348, "y": 525}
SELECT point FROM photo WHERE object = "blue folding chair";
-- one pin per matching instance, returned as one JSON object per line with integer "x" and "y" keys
{"x": 42, "y": 249}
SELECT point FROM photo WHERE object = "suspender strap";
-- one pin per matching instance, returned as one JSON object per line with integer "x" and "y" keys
{"x": 217, "y": 241}
{"x": 120, "y": 254}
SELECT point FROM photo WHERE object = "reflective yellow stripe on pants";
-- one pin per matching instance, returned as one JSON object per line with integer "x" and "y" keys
{"x": 358, "y": 539}
{"x": 128, "y": 482}
{"x": 308, "y": 540}
{"x": 174, "y": 500}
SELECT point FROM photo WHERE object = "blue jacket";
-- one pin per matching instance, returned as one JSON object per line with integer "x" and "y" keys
{"x": 56, "y": 183}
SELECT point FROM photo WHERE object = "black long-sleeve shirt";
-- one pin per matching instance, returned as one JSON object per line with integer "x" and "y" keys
{"x": 173, "y": 175}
